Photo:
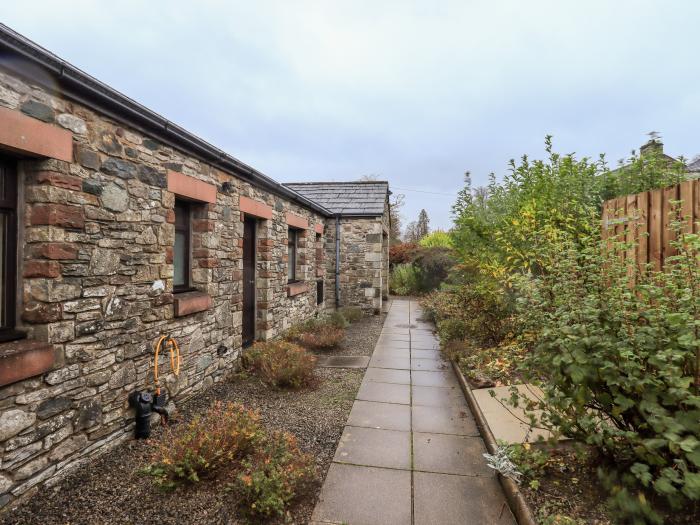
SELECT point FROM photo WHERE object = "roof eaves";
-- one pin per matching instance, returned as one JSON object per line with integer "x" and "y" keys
{"x": 85, "y": 89}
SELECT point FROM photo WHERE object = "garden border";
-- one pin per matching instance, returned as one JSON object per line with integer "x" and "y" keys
{"x": 516, "y": 501}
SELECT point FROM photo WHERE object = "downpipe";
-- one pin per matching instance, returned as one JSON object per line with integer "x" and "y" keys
{"x": 337, "y": 261}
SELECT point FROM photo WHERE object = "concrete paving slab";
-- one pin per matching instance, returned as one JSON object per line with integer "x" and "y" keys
{"x": 364, "y": 496}
{"x": 434, "y": 396}
{"x": 433, "y": 365}
{"x": 384, "y": 393}
{"x": 447, "y": 499}
{"x": 426, "y": 354}
{"x": 421, "y": 378}
{"x": 401, "y": 353}
{"x": 390, "y": 346}
{"x": 424, "y": 345}
{"x": 447, "y": 454}
{"x": 444, "y": 420}
{"x": 342, "y": 361}
{"x": 390, "y": 340}
{"x": 388, "y": 375}
{"x": 373, "y": 447}
{"x": 388, "y": 416}
{"x": 510, "y": 424}
{"x": 407, "y": 420}
{"x": 399, "y": 363}
{"x": 423, "y": 335}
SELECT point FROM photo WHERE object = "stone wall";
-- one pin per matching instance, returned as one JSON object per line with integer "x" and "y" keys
{"x": 364, "y": 261}
{"x": 96, "y": 250}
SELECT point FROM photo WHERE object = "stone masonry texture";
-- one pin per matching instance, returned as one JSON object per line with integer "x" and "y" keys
{"x": 96, "y": 249}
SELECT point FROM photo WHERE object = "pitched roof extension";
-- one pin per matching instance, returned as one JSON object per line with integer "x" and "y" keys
{"x": 363, "y": 198}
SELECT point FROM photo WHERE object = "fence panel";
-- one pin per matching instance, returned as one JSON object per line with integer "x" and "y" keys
{"x": 646, "y": 219}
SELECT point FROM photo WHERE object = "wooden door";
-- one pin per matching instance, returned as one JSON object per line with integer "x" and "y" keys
{"x": 248, "y": 281}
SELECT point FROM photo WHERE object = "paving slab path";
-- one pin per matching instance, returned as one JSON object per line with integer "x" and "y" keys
{"x": 410, "y": 453}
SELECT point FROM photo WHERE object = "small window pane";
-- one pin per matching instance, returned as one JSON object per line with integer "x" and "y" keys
{"x": 181, "y": 250}
{"x": 3, "y": 269}
{"x": 292, "y": 255}
{"x": 180, "y": 259}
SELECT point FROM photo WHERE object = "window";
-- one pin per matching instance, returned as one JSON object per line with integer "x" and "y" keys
{"x": 319, "y": 291}
{"x": 182, "y": 250}
{"x": 292, "y": 255}
{"x": 8, "y": 250}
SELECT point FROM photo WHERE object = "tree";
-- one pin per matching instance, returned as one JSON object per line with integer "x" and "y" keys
{"x": 411, "y": 233}
{"x": 422, "y": 226}
{"x": 396, "y": 202}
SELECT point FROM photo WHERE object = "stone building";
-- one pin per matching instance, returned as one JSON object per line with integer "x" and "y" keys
{"x": 362, "y": 212}
{"x": 118, "y": 226}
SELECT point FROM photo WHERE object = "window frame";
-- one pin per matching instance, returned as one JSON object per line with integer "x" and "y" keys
{"x": 292, "y": 242}
{"x": 9, "y": 206}
{"x": 185, "y": 228}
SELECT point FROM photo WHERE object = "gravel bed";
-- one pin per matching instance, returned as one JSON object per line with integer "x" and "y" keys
{"x": 110, "y": 490}
{"x": 360, "y": 337}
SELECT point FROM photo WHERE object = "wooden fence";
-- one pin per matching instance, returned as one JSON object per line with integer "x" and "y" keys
{"x": 645, "y": 218}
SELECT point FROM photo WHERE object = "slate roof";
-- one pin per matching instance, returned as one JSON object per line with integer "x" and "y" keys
{"x": 346, "y": 198}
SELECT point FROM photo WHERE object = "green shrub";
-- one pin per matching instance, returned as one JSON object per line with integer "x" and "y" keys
{"x": 276, "y": 475}
{"x": 352, "y": 313}
{"x": 280, "y": 364}
{"x": 336, "y": 318}
{"x": 478, "y": 309}
{"x": 405, "y": 280}
{"x": 436, "y": 239}
{"x": 226, "y": 433}
{"x": 617, "y": 357}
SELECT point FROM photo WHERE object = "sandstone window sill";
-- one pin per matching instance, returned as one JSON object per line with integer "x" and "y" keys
{"x": 23, "y": 359}
{"x": 187, "y": 303}
{"x": 297, "y": 288}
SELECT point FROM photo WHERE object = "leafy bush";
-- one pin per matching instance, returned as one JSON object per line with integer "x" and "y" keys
{"x": 402, "y": 253}
{"x": 617, "y": 356}
{"x": 323, "y": 337}
{"x": 436, "y": 239}
{"x": 226, "y": 433}
{"x": 336, "y": 318}
{"x": 405, "y": 280}
{"x": 479, "y": 310}
{"x": 352, "y": 313}
{"x": 274, "y": 476}
{"x": 280, "y": 364}
{"x": 434, "y": 265}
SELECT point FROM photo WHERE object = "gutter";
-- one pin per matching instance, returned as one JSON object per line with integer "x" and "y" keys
{"x": 87, "y": 90}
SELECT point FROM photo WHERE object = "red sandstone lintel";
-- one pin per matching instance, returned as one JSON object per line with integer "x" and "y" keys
{"x": 295, "y": 221}
{"x": 319, "y": 229}
{"x": 255, "y": 208}
{"x": 24, "y": 358}
{"x": 186, "y": 303}
{"x": 190, "y": 188}
{"x": 319, "y": 272}
{"x": 297, "y": 288}
{"x": 22, "y": 133}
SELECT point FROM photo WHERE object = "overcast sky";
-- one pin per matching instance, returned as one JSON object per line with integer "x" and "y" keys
{"x": 414, "y": 92}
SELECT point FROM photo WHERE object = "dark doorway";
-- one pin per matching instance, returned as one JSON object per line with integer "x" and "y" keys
{"x": 249, "y": 281}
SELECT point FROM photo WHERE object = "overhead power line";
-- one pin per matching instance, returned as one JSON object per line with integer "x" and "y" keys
{"x": 424, "y": 191}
